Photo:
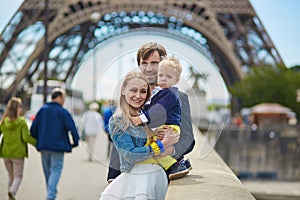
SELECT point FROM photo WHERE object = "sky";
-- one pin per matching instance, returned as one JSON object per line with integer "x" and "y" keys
{"x": 281, "y": 19}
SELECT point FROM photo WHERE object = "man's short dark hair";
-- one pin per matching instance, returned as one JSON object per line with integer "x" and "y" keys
{"x": 56, "y": 93}
{"x": 147, "y": 49}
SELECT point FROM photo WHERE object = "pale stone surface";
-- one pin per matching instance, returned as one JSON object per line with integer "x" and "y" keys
{"x": 210, "y": 178}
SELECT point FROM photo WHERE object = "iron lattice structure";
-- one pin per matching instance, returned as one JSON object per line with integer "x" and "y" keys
{"x": 229, "y": 29}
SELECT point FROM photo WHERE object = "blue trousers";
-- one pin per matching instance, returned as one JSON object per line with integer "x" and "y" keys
{"x": 52, "y": 165}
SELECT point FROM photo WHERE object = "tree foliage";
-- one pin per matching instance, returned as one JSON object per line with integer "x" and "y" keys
{"x": 275, "y": 84}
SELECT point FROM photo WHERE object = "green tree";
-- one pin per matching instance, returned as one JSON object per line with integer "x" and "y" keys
{"x": 275, "y": 84}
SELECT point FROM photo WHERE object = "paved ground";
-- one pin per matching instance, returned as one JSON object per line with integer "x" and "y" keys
{"x": 81, "y": 180}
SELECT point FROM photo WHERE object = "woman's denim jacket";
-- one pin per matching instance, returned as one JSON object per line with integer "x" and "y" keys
{"x": 129, "y": 143}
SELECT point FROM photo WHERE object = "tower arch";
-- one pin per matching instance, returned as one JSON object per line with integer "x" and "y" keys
{"x": 221, "y": 27}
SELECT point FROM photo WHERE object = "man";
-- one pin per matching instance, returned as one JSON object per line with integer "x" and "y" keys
{"x": 51, "y": 128}
{"x": 148, "y": 58}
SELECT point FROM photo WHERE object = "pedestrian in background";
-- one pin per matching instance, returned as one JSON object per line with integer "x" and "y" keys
{"x": 13, "y": 147}
{"x": 51, "y": 128}
{"x": 108, "y": 108}
{"x": 91, "y": 124}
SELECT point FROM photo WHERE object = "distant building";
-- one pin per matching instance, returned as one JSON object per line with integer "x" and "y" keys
{"x": 270, "y": 115}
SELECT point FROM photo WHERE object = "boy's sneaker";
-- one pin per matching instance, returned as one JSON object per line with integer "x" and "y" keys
{"x": 187, "y": 164}
{"x": 177, "y": 171}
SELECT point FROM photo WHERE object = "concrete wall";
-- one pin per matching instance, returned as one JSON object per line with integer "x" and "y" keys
{"x": 210, "y": 178}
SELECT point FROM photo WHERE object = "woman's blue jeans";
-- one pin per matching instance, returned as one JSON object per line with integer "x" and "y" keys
{"x": 52, "y": 165}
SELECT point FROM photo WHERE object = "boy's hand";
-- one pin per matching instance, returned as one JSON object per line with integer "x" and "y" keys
{"x": 136, "y": 121}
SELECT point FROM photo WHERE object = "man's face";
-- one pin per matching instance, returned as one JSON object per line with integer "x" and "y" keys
{"x": 149, "y": 67}
{"x": 61, "y": 99}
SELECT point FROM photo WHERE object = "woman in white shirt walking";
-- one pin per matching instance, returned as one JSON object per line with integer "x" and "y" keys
{"x": 91, "y": 124}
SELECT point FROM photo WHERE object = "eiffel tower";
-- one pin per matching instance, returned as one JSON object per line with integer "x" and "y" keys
{"x": 229, "y": 30}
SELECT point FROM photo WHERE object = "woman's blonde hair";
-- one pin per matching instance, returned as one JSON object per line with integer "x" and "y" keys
{"x": 124, "y": 109}
{"x": 12, "y": 108}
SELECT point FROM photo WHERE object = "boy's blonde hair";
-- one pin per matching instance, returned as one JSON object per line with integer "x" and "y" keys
{"x": 173, "y": 62}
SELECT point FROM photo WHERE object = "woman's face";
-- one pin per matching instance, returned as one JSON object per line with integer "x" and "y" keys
{"x": 135, "y": 92}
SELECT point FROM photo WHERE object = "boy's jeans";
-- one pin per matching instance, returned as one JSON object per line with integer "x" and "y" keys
{"x": 52, "y": 165}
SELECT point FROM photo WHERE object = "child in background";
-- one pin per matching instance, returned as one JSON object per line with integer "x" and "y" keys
{"x": 13, "y": 148}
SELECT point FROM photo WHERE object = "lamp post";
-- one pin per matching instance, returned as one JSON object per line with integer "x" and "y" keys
{"x": 1, "y": 79}
{"x": 94, "y": 74}
{"x": 298, "y": 95}
{"x": 120, "y": 62}
{"x": 45, "y": 91}
{"x": 95, "y": 17}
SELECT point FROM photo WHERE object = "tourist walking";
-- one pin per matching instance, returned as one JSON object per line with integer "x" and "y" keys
{"x": 13, "y": 147}
{"x": 51, "y": 128}
{"x": 91, "y": 124}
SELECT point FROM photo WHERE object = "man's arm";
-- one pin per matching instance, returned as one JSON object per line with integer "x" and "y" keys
{"x": 114, "y": 164}
{"x": 70, "y": 125}
{"x": 186, "y": 141}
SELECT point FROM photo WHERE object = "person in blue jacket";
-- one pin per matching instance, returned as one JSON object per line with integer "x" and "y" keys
{"x": 51, "y": 128}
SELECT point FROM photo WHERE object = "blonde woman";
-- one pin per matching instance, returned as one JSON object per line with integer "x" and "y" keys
{"x": 142, "y": 177}
{"x": 13, "y": 147}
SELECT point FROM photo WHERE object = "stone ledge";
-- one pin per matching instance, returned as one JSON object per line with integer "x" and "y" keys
{"x": 210, "y": 178}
